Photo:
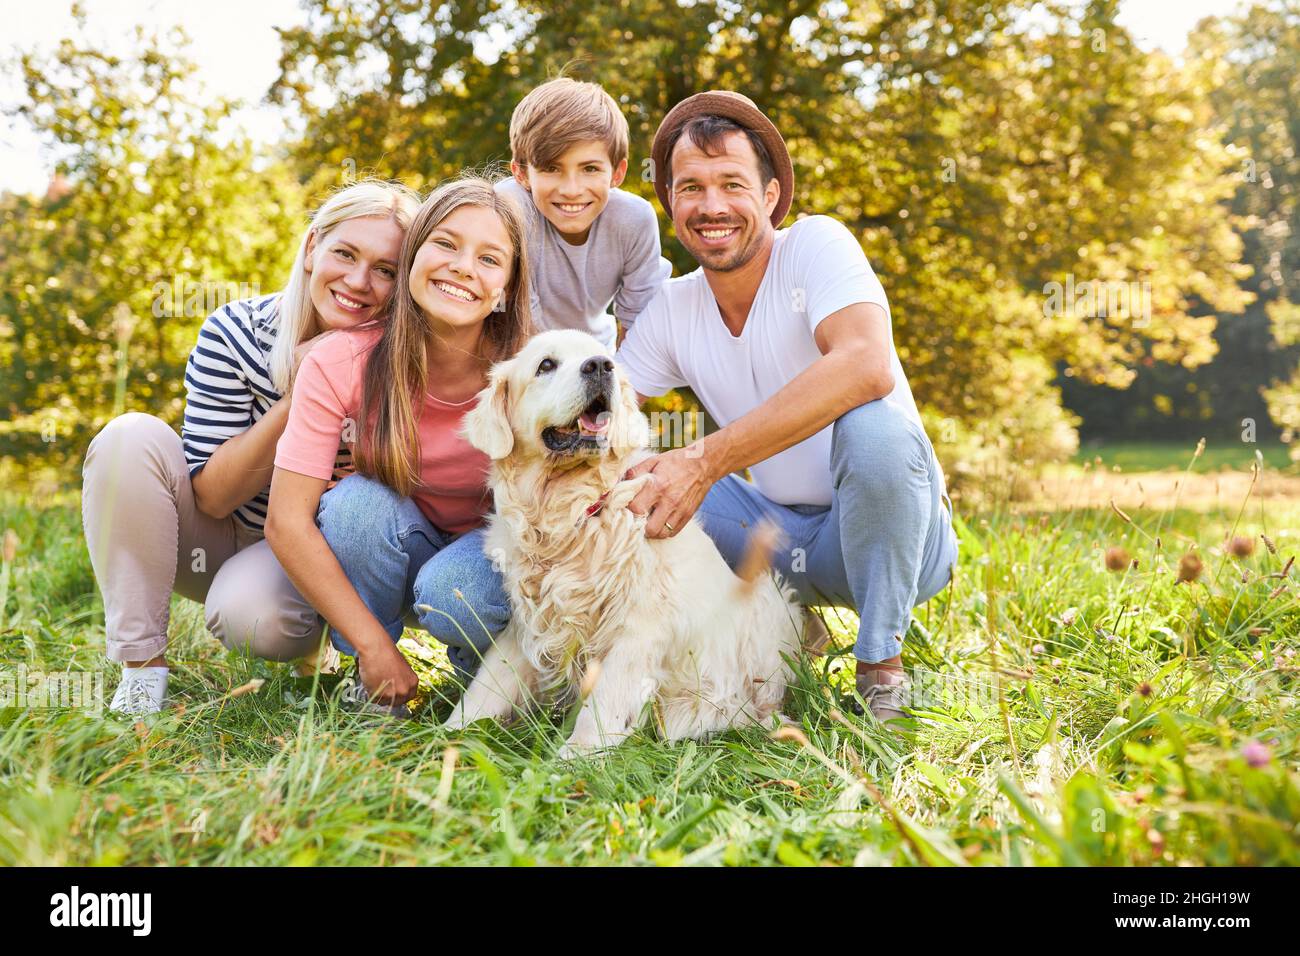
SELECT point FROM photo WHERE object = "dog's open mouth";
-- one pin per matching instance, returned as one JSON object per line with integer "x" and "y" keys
{"x": 585, "y": 433}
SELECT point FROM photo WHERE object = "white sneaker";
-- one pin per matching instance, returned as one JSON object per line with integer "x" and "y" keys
{"x": 354, "y": 697}
{"x": 324, "y": 660}
{"x": 140, "y": 692}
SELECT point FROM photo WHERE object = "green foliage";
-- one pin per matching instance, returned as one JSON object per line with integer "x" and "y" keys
{"x": 157, "y": 215}
{"x": 978, "y": 159}
{"x": 1248, "y": 65}
{"x": 1218, "y": 456}
{"x": 1026, "y": 427}
{"x": 979, "y": 152}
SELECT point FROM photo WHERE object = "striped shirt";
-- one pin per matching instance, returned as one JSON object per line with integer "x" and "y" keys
{"x": 228, "y": 388}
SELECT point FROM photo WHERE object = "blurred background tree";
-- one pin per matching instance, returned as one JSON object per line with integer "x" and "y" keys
{"x": 978, "y": 158}
{"x": 152, "y": 198}
{"x": 984, "y": 151}
{"x": 1249, "y": 69}
{"x": 1260, "y": 55}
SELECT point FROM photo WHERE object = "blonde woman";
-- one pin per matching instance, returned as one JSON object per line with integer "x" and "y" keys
{"x": 402, "y": 538}
{"x": 165, "y": 513}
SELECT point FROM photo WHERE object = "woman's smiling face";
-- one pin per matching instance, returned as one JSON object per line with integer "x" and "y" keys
{"x": 352, "y": 270}
{"x": 462, "y": 270}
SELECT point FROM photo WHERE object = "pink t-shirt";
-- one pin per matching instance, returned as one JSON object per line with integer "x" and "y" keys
{"x": 326, "y": 400}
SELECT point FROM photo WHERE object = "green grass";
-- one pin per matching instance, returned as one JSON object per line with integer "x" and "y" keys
{"x": 1165, "y": 456}
{"x": 1106, "y": 725}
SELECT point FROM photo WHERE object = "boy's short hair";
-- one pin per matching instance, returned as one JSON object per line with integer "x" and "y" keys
{"x": 561, "y": 112}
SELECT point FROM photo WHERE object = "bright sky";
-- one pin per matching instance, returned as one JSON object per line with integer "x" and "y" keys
{"x": 237, "y": 49}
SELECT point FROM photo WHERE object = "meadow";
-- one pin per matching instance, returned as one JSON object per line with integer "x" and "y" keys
{"x": 1132, "y": 456}
{"x": 1083, "y": 706}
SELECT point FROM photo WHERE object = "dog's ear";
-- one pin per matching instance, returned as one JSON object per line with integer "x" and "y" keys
{"x": 631, "y": 430}
{"x": 487, "y": 425}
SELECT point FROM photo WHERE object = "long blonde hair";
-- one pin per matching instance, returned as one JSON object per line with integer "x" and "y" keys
{"x": 397, "y": 371}
{"x": 298, "y": 320}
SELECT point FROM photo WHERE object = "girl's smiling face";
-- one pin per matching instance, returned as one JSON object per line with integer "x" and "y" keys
{"x": 462, "y": 270}
{"x": 352, "y": 270}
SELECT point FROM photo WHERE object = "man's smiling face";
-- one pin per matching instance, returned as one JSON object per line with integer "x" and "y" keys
{"x": 721, "y": 208}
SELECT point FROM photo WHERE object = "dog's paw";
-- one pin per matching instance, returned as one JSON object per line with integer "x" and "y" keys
{"x": 459, "y": 720}
{"x": 567, "y": 752}
{"x": 576, "y": 749}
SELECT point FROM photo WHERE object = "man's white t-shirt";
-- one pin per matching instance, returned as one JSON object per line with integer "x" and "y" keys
{"x": 816, "y": 269}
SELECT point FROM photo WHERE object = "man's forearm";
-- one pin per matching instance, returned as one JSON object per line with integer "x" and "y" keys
{"x": 815, "y": 398}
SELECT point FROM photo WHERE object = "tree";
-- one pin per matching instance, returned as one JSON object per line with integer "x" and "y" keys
{"x": 155, "y": 217}
{"x": 1247, "y": 65}
{"x": 1257, "y": 97}
{"x": 981, "y": 154}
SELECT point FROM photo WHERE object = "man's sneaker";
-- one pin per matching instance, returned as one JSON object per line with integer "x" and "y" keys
{"x": 354, "y": 697}
{"x": 140, "y": 692}
{"x": 887, "y": 700}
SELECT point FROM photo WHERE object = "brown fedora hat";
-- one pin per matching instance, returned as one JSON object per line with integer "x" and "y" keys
{"x": 739, "y": 109}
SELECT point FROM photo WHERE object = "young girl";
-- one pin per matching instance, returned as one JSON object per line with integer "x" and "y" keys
{"x": 404, "y": 532}
{"x": 164, "y": 513}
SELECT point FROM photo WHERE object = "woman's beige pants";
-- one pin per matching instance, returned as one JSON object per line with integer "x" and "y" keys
{"x": 147, "y": 538}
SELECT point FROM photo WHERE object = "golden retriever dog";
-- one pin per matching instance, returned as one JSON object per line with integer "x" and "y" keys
{"x": 596, "y": 605}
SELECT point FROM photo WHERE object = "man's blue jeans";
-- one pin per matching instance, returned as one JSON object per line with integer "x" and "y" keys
{"x": 398, "y": 561}
{"x": 885, "y": 544}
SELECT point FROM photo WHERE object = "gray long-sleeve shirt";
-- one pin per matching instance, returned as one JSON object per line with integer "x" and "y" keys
{"x": 573, "y": 287}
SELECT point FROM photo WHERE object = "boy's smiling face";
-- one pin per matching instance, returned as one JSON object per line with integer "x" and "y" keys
{"x": 572, "y": 190}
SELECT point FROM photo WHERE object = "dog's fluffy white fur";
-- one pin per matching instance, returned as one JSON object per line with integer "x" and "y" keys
{"x": 597, "y": 606}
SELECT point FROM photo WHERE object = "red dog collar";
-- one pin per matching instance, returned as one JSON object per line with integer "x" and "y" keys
{"x": 592, "y": 509}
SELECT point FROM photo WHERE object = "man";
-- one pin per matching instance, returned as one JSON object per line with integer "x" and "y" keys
{"x": 785, "y": 336}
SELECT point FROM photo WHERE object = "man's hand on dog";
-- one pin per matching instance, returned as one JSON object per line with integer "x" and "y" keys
{"x": 679, "y": 481}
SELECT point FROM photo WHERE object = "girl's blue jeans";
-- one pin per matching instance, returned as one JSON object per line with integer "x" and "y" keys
{"x": 407, "y": 571}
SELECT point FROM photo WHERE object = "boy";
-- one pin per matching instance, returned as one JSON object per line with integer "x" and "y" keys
{"x": 590, "y": 244}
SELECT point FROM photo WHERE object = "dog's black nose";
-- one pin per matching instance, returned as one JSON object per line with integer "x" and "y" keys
{"x": 597, "y": 367}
